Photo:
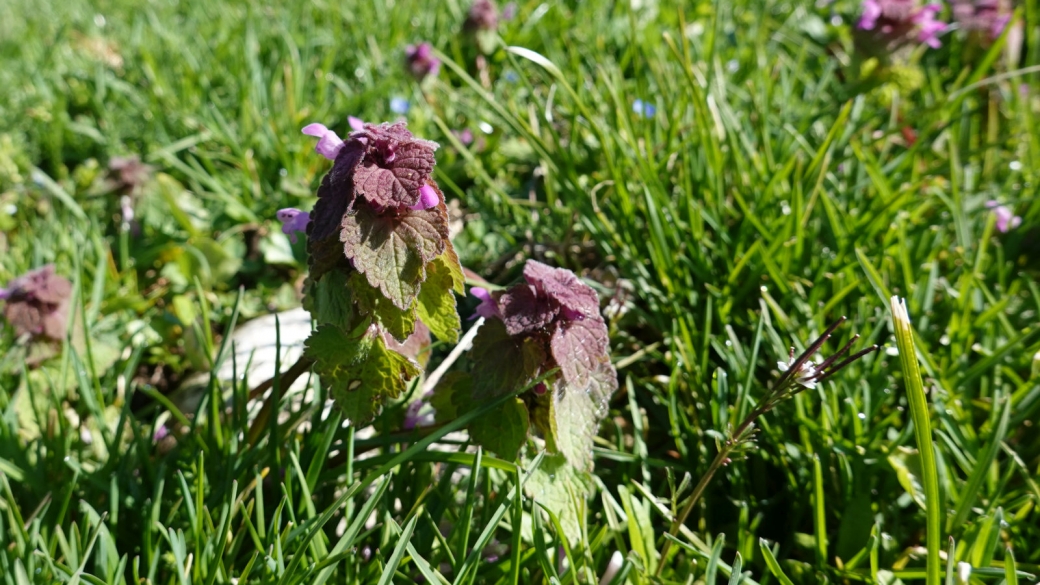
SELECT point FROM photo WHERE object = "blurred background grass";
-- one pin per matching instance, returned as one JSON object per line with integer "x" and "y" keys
{"x": 769, "y": 192}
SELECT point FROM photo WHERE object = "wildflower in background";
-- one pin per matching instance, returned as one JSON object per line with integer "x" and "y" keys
{"x": 465, "y": 136}
{"x": 483, "y": 16}
{"x": 420, "y": 60}
{"x": 399, "y": 105}
{"x": 329, "y": 143}
{"x": 293, "y": 221}
{"x": 890, "y": 24}
{"x": 128, "y": 174}
{"x": 509, "y": 11}
{"x": 644, "y": 109}
{"x": 38, "y": 303}
{"x": 985, "y": 17}
{"x": 412, "y": 417}
{"x": 1006, "y": 218}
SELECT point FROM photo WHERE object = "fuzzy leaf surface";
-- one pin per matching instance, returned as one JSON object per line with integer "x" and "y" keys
{"x": 437, "y": 302}
{"x": 502, "y": 363}
{"x": 576, "y": 412}
{"x": 523, "y": 311}
{"x": 400, "y": 324}
{"x": 503, "y": 430}
{"x": 562, "y": 287}
{"x": 392, "y": 249}
{"x": 580, "y": 347}
{"x": 395, "y": 183}
{"x": 329, "y": 300}
{"x": 560, "y": 487}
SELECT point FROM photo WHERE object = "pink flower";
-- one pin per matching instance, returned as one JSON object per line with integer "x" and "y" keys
{"x": 487, "y": 307}
{"x": 427, "y": 198}
{"x": 329, "y": 143}
{"x": 293, "y": 221}
{"x": 928, "y": 28}
{"x": 1006, "y": 218}
{"x": 421, "y": 61}
{"x": 871, "y": 12}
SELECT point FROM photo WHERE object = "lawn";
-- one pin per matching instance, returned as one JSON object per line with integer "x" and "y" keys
{"x": 730, "y": 178}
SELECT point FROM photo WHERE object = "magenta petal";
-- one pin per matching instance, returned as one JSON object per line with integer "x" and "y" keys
{"x": 487, "y": 308}
{"x": 356, "y": 124}
{"x": 293, "y": 221}
{"x": 329, "y": 143}
{"x": 427, "y": 198}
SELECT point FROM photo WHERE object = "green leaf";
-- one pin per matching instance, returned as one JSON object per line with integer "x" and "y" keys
{"x": 560, "y": 488}
{"x": 774, "y": 566}
{"x": 398, "y": 323}
{"x": 504, "y": 430}
{"x": 502, "y": 363}
{"x": 575, "y": 414}
{"x": 360, "y": 372}
{"x": 452, "y": 397}
{"x": 437, "y": 302}
{"x": 451, "y": 259}
{"x": 392, "y": 249}
{"x": 329, "y": 300}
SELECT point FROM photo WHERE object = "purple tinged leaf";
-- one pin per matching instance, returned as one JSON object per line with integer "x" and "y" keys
{"x": 580, "y": 349}
{"x": 523, "y": 311}
{"x": 563, "y": 287}
{"x": 393, "y": 175}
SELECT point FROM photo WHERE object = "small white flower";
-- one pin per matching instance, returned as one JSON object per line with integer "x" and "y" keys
{"x": 963, "y": 572}
{"x": 805, "y": 375}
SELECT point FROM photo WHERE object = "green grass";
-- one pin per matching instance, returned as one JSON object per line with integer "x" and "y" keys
{"x": 768, "y": 196}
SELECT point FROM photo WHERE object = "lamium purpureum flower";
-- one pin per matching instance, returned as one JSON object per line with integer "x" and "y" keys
{"x": 1006, "y": 218}
{"x": 886, "y": 25}
{"x": 421, "y": 61}
{"x": 293, "y": 221}
{"x": 487, "y": 307}
{"x": 37, "y": 303}
{"x": 985, "y": 17}
{"x": 482, "y": 16}
{"x": 329, "y": 143}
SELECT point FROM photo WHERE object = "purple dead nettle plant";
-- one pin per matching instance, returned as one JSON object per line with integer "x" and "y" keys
{"x": 984, "y": 18}
{"x": 37, "y": 304}
{"x": 550, "y": 324}
{"x": 382, "y": 281}
{"x": 1006, "y": 218}
{"x": 887, "y": 25}
{"x": 421, "y": 61}
{"x": 797, "y": 373}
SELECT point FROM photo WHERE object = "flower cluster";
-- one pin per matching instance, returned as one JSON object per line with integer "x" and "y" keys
{"x": 421, "y": 61}
{"x": 38, "y": 303}
{"x": 1006, "y": 218}
{"x": 483, "y": 16}
{"x": 984, "y": 17}
{"x": 886, "y": 25}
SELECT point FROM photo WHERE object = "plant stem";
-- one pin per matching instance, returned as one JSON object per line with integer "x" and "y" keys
{"x": 721, "y": 459}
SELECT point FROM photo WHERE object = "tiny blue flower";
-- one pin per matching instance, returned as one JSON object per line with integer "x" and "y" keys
{"x": 644, "y": 109}
{"x": 399, "y": 105}
{"x": 511, "y": 76}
